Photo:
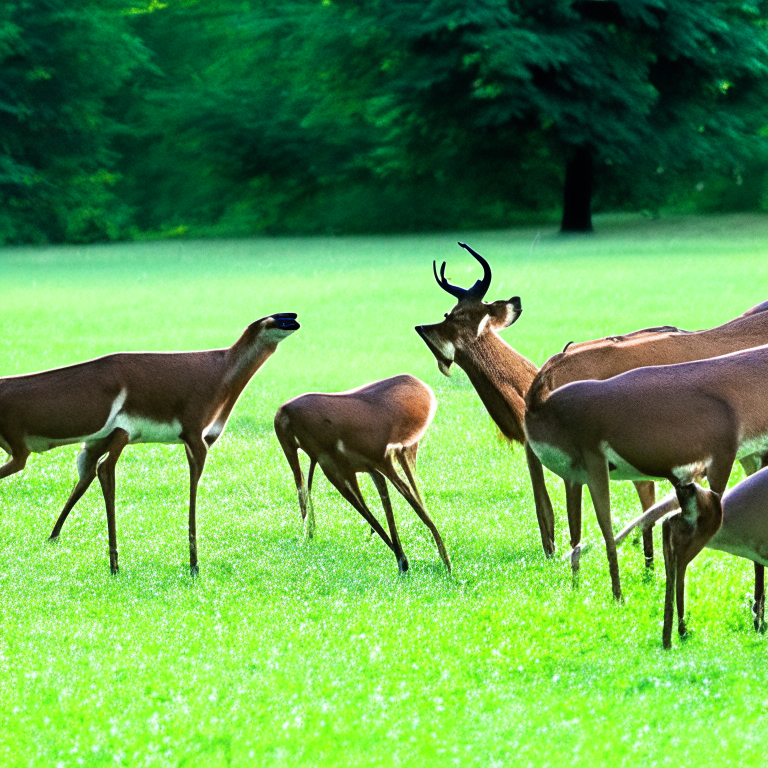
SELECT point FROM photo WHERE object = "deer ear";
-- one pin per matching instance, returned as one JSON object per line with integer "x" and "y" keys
{"x": 482, "y": 324}
{"x": 514, "y": 309}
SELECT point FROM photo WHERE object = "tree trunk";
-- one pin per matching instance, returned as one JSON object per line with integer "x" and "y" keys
{"x": 577, "y": 192}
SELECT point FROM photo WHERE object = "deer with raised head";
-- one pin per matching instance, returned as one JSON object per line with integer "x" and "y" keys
{"x": 133, "y": 397}
{"x": 506, "y": 381}
{"x": 363, "y": 430}
{"x": 674, "y": 422}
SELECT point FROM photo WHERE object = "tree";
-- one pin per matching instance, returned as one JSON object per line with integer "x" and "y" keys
{"x": 609, "y": 86}
{"x": 63, "y": 62}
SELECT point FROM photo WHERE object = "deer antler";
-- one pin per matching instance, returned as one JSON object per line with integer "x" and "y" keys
{"x": 477, "y": 291}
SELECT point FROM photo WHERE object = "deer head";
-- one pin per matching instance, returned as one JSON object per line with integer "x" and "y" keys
{"x": 470, "y": 320}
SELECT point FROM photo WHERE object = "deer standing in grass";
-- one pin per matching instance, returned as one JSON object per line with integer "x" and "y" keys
{"x": 363, "y": 430}
{"x": 133, "y": 397}
{"x": 508, "y": 383}
{"x": 674, "y": 422}
{"x": 743, "y": 511}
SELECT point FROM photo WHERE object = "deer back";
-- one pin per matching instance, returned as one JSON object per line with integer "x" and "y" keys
{"x": 612, "y": 356}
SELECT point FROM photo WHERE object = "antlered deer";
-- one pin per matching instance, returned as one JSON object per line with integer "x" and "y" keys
{"x": 362, "y": 430}
{"x": 676, "y": 422}
{"x": 506, "y": 381}
{"x": 133, "y": 397}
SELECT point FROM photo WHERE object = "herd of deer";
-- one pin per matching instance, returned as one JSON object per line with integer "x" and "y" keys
{"x": 659, "y": 403}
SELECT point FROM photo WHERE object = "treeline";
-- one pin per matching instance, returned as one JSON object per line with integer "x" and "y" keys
{"x": 237, "y": 117}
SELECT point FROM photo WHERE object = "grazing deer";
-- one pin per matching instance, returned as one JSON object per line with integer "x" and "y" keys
{"x": 362, "y": 430}
{"x": 507, "y": 382}
{"x": 743, "y": 511}
{"x": 133, "y": 397}
{"x": 675, "y": 422}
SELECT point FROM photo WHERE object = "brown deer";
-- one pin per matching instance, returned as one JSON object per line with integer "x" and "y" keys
{"x": 743, "y": 533}
{"x": 675, "y": 422}
{"x": 505, "y": 380}
{"x": 362, "y": 430}
{"x": 133, "y": 397}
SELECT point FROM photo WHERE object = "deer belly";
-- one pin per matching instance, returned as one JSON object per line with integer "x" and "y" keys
{"x": 619, "y": 468}
{"x": 41, "y": 444}
{"x": 139, "y": 429}
{"x": 726, "y": 540}
{"x": 755, "y": 445}
{"x": 557, "y": 461}
{"x": 143, "y": 430}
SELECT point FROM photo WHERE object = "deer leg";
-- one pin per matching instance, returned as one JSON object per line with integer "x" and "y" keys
{"x": 646, "y": 491}
{"x": 670, "y": 567}
{"x": 573, "y": 493}
{"x": 682, "y": 564}
{"x": 106, "y": 471}
{"x": 544, "y": 513}
{"x": 197, "y": 451}
{"x": 381, "y": 487}
{"x": 87, "y": 461}
{"x": 407, "y": 460}
{"x": 17, "y": 462}
{"x": 758, "y": 607}
{"x": 350, "y": 490}
{"x": 290, "y": 446}
{"x": 309, "y": 511}
{"x": 403, "y": 488}
{"x": 600, "y": 491}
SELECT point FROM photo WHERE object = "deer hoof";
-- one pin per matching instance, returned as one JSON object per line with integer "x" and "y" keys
{"x": 402, "y": 565}
{"x": 194, "y": 570}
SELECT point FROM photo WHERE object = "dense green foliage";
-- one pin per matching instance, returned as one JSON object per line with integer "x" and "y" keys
{"x": 641, "y": 88}
{"x": 288, "y": 654}
{"x": 62, "y": 63}
{"x": 241, "y": 117}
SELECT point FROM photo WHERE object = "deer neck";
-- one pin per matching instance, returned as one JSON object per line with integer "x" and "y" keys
{"x": 242, "y": 360}
{"x": 501, "y": 376}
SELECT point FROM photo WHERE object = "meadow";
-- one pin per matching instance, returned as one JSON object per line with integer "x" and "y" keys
{"x": 291, "y": 653}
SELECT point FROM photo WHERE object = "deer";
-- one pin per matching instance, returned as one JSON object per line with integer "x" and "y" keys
{"x": 133, "y": 397}
{"x": 508, "y": 383}
{"x": 737, "y": 524}
{"x": 365, "y": 430}
{"x": 677, "y": 422}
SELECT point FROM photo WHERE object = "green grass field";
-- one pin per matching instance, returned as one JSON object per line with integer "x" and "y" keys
{"x": 286, "y": 653}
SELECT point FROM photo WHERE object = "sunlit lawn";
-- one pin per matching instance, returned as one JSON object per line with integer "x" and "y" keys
{"x": 284, "y": 653}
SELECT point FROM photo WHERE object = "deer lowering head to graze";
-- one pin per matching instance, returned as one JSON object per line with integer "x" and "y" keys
{"x": 743, "y": 511}
{"x": 363, "y": 430}
{"x": 133, "y": 397}
{"x": 506, "y": 381}
{"x": 674, "y": 422}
